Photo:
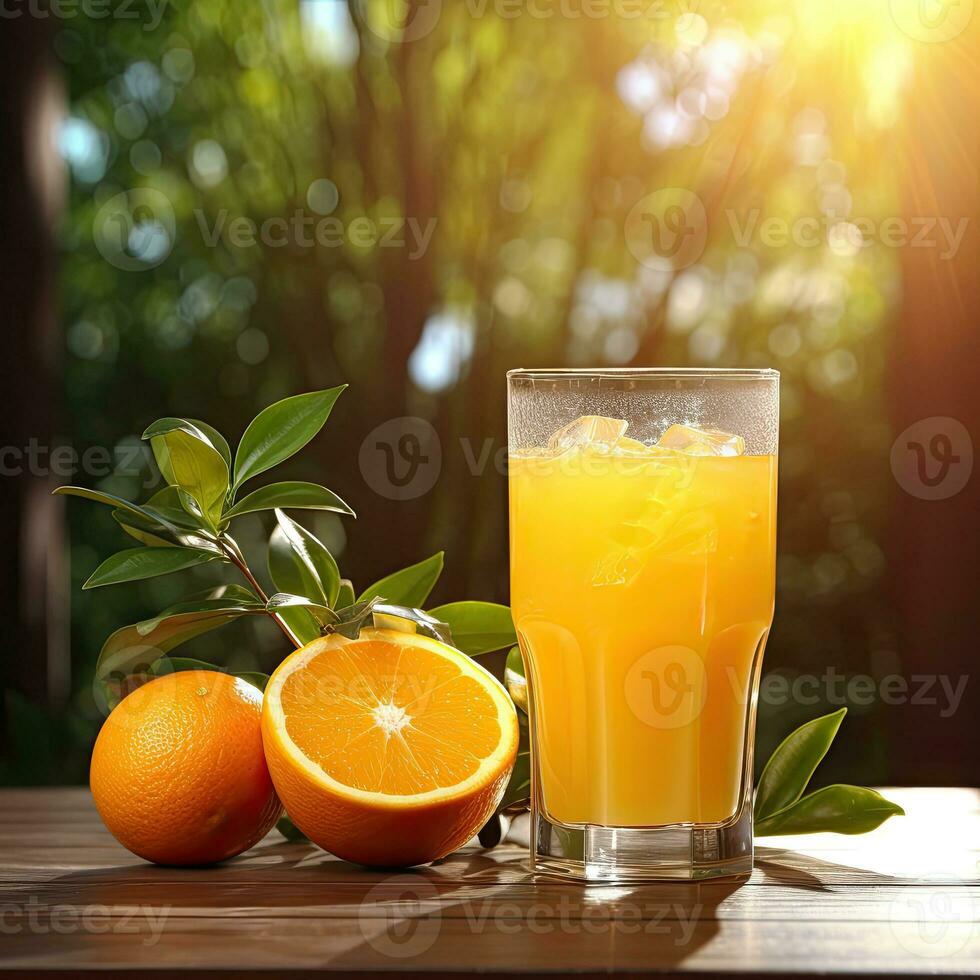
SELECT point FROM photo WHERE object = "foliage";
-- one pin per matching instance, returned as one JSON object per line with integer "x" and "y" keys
{"x": 528, "y": 140}
{"x": 781, "y": 806}
{"x": 195, "y": 526}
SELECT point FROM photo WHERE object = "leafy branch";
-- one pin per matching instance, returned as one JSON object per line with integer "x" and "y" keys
{"x": 188, "y": 522}
{"x": 782, "y": 805}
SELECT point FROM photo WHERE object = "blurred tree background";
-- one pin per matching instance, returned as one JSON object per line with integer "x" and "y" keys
{"x": 523, "y": 137}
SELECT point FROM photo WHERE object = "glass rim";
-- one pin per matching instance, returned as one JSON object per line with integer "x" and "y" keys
{"x": 732, "y": 374}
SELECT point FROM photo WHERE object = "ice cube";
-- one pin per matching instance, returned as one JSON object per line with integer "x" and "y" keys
{"x": 624, "y": 446}
{"x": 589, "y": 430}
{"x": 694, "y": 441}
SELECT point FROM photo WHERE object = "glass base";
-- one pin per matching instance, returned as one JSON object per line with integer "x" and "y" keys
{"x": 683, "y": 852}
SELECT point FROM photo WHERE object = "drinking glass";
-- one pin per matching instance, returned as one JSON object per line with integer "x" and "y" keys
{"x": 642, "y": 548}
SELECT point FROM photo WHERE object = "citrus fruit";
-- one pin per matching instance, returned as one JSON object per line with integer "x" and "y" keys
{"x": 178, "y": 773}
{"x": 389, "y": 750}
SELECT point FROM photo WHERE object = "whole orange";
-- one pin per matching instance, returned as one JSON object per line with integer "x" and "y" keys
{"x": 178, "y": 772}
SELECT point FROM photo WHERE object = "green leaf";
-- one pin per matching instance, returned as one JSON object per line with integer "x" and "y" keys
{"x": 418, "y": 621}
{"x": 167, "y": 506}
{"x": 146, "y": 532}
{"x": 296, "y": 495}
{"x": 477, "y": 627}
{"x": 140, "y": 563}
{"x": 154, "y": 535}
{"x": 234, "y": 595}
{"x": 227, "y": 603}
{"x": 166, "y": 523}
{"x": 785, "y": 777}
{"x": 172, "y": 665}
{"x": 254, "y": 677}
{"x": 189, "y": 461}
{"x": 283, "y": 600}
{"x": 345, "y": 595}
{"x": 303, "y": 624}
{"x": 514, "y": 679}
{"x": 836, "y": 809}
{"x": 300, "y": 564}
{"x": 217, "y": 440}
{"x": 410, "y": 586}
{"x": 518, "y": 793}
{"x": 127, "y": 651}
{"x": 119, "y": 503}
{"x": 515, "y": 663}
{"x": 193, "y": 508}
{"x": 289, "y": 830}
{"x": 281, "y": 430}
{"x": 298, "y": 573}
{"x": 351, "y": 621}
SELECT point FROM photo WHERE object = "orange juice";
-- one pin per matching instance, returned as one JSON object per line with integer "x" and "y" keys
{"x": 642, "y": 585}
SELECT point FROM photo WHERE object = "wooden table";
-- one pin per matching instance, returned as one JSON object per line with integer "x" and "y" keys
{"x": 903, "y": 900}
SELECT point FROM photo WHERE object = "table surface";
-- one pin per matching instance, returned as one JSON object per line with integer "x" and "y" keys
{"x": 904, "y": 900}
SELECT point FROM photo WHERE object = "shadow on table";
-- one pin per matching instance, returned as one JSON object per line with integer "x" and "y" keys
{"x": 795, "y": 870}
{"x": 486, "y": 910}
{"x": 473, "y": 907}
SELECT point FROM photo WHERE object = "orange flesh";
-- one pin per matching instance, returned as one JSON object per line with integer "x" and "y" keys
{"x": 396, "y": 720}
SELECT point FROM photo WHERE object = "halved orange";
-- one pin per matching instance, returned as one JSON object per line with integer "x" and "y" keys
{"x": 389, "y": 750}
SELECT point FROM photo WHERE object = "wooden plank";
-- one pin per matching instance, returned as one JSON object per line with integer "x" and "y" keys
{"x": 500, "y": 946}
{"x": 409, "y": 895}
{"x": 276, "y": 861}
{"x": 57, "y": 831}
{"x": 70, "y": 897}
